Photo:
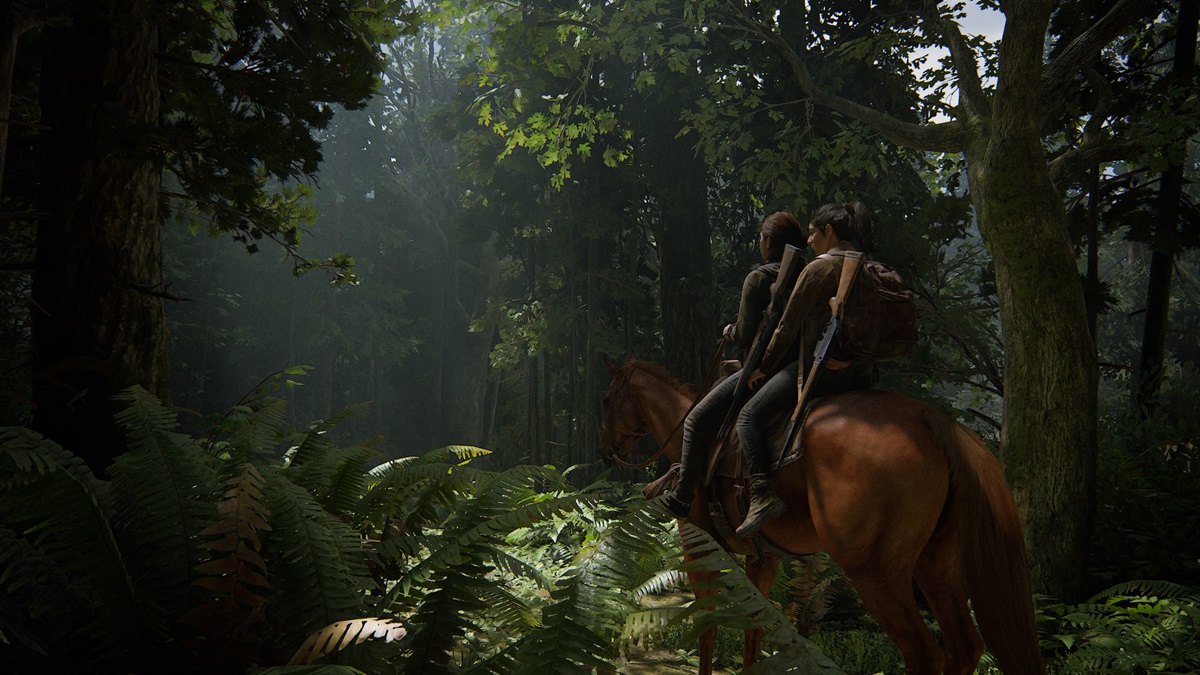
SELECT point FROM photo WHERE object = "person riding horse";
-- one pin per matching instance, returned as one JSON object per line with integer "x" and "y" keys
{"x": 832, "y": 230}
{"x": 777, "y": 232}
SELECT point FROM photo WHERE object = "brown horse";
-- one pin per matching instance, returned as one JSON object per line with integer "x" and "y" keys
{"x": 894, "y": 491}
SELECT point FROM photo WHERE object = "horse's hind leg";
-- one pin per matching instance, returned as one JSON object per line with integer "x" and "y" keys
{"x": 941, "y": 581}
{"x": 889, "y": 598}
{"x": 762, "y": 572}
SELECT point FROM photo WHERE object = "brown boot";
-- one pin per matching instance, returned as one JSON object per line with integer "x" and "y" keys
{"x": 764, "y": 505}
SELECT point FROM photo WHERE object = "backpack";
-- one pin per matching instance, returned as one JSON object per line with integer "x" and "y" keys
{"x": 880, "y": 316}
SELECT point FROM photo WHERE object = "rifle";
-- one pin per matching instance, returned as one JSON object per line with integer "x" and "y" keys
{"x": 846, "y": 279}
{"x": 781, "y": 290}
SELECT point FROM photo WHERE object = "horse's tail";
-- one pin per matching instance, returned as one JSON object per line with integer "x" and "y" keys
{"x": 991, "y": 549}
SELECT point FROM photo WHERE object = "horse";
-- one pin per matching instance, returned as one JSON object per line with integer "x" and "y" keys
{"x": 894, "y": 491}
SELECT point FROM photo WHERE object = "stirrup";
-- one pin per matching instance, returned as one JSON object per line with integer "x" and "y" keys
{"x": 673, "y": 503}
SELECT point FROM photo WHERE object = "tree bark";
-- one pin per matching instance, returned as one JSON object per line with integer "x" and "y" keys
{"x": 98, "y": 323}
{"x": 1049, "y": 434}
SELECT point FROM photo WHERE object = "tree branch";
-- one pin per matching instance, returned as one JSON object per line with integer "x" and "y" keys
{"x": 970, "y": 87}
{"x": 1083, "y": 49}
{"x": 1073, "y": 163}
{"x": 943, "y": 137}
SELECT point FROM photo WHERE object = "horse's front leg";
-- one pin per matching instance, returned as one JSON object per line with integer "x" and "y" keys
{"x": 762, "y": 572}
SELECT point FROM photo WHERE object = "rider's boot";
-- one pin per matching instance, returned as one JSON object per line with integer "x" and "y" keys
{"x": 679, "y": 500}
{"x": 764, "y": 505}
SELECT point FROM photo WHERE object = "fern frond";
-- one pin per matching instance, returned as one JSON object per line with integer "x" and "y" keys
{"x": 587, "y": 613}
{"x": 316, "y": 555}
{"x": 660, "y": 583}
{"x": 337, "y": 476}
{"x": 573, "y": 634}
{"x": 164, "y": 493}
{"x": 314, "y": 442}
{"x": 342, "y": 634}
{"x": 61, "y": 515}
{"x": 459, "y": 454}
{"x": 515, "y": 567}
{"x": 443, "y": 618}
{"x": 257, "y": 432}
{"x": 412, "y": 496}
{"x": 1146, "y": 588}
{"x": 649, "y": 623}
{"x": 322, "y": 669}
{"x": 25, "y": 455}
{"x": 738, "y": 604}
{"x": 510, "y": 612}
{"x": 236, "y": 574}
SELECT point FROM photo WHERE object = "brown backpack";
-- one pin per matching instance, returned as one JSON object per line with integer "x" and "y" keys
{"x": 880, "y": 316}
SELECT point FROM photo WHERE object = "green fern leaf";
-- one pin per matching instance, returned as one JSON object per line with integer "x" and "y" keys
{"x": 315, "y": 556}
{"x": 53, "y": 501}
{"x": 509, "y": 611}
{"x": 1157, "y": 589}
{"x": 314, "y": 442}
{"x": 164, "y": 493}
{"x": 443, "y": 617}
{"x": 259, "y": 432}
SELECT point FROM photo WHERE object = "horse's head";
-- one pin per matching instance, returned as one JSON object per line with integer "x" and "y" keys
{"x": 623, "y": 424}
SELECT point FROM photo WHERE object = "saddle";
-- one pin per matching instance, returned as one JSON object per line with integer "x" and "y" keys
{"x": 731, "y": 463}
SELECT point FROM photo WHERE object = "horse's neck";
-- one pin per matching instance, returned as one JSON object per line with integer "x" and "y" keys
{"x": 664, "y": 408}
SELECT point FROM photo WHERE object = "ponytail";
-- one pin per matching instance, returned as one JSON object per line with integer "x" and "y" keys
{"x": 852, "y": 221}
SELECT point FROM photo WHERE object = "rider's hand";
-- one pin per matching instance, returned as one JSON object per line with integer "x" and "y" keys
{"x": 756, "y": 379}
{"x": 728, "y": 331}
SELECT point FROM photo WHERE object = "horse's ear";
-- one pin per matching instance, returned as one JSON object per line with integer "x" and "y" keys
{"x": 612, "y": 370}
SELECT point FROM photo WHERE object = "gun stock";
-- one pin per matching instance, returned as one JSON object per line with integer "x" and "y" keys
{"x": 849, "y": 272}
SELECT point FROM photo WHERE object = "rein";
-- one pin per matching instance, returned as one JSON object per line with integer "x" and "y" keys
{"x": 716, "y": 361}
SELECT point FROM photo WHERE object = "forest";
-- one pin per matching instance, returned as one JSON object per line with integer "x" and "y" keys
{"x": 306, "y": 307}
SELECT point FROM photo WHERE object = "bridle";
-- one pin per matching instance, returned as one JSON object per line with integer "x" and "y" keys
{"x": 618, "y": 450}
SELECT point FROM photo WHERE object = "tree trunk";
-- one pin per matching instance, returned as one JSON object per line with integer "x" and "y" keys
{"x": 98, "y": 323}
{"x": 1148, "y": 381}
{"x": 679, "y": 177}
{"x": 1049, "y": 436}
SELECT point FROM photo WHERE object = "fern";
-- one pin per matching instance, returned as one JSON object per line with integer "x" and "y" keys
{"x": 1136, "y": 626}
{"x": 444, "y": 618}
{"x": 413, "y": 493}
{"x": 51, "y": 498}
{"x": 236, "y": 574}
{"x": 253, "y": 430}
{"x": 336, "y": 476}
{"x": 314, "y": 442}
{"x": 590, "y": 604}
{"x": 317, "y": 556}
{"x": 340, "y": 635}
{"x": 738, "y": 604}
{"x": 812, "y": 589}
{"x": 164, "y": 492}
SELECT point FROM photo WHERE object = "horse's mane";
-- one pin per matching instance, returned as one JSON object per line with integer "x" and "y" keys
{"x": 658, "y": 371}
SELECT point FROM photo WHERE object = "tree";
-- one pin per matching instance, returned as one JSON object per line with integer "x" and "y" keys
{"x": 225, "y": 99}
{"x": 1049, "y": 434}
